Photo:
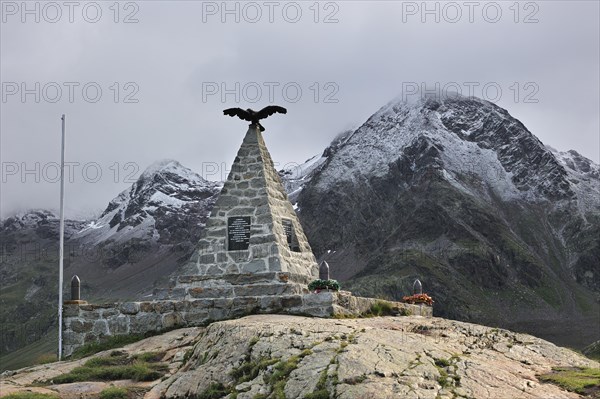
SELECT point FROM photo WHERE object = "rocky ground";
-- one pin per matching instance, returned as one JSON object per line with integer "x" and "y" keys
{"x": 264, "y": 356}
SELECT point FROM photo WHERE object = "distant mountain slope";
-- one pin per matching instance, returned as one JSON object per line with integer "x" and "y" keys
{"x": 458, "y": 193}
{"x": 29, "y": 276}
{"x": 144, "y": 234}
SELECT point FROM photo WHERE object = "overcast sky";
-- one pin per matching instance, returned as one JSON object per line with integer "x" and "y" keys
{"x": 166, "y": 70}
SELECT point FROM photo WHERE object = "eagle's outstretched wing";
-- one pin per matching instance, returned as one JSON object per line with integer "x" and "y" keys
{"x": 270, "y": 110}
{"x": 240, "y": 113}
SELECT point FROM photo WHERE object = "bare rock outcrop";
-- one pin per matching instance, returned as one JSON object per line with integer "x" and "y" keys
{"x": 274, "y": 356}
{"x": 408, "y": 357}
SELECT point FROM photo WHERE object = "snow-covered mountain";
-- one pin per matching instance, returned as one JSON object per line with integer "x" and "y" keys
{"x": 469, "y": 140}
{"x": 153, "y": 206}
{"x": 457, "y": 192}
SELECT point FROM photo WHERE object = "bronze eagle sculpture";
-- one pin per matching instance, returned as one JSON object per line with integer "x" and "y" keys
{"x": 255, "y": 116}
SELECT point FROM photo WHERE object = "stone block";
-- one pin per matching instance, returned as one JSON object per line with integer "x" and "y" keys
{"x": 171, "y": 320}
{"x": 91, "y": 315}
{"x": 261, "y": 251}
{"x": 195, "y": 318}
{"x": 119, "y": 325}
{"x": 255, "y": 266}
{"x": 185, "y": 279}
{"x": 321, "y": 299}
{"x": 274, "y": 264}
{"x": 80, "y": 325}
{"x": 266, "y": 289}
{"x": 144, "y": 322}
{"x": 70, "y": 311}
{"x": 219, "y": 314}
{"x": 222, "y": 303}
{"x": 241, "y": 211}
{"x": 217, "y": 292}
{"x": 129, "y": 307}
{"x": 245, "y": 302}
{"x": 206, "y": 259}
{"x": 291, "y": 301}
{"x": 163, "y": 306}
{"x": 161, "y": 293}
{"x": 226, "y": 201}
{"x": 270, "y": 303}
{"x": 100, "y": 328}
{"x": 263, "y": 220}
{"x": 106, "y": 313}
{"x": 199, "y": 304}
{"x": 146, "y": 307}
{"x": 213, "y": 270}
{"x": 232, "y": 268}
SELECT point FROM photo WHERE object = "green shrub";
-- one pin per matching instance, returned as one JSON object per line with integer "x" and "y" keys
{"x": 323, "y": 285}
{"x": 114, "y": 393}
{"x": 320, "y": 394}
{"x": 117, "y": 366}
{"x": 381, "y": 308}
{"x": 214, "y": 391}
{"x": 116, "y": 341}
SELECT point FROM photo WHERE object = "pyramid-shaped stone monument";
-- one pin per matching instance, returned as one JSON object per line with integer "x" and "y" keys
{"x": 253, "y": 235}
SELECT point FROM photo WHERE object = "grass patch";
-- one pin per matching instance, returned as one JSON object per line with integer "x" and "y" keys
{"x": 117, "y": 366}
{"x": 249, "y": 370}
{"x": 443, "y": 378}
{"x": 113, "y": 342}
{"x": 380, "y": 308}
{"x": 114, "y": 393}
{"x": 282, "y": 371}
{"x": 580, "y": 380}
{"x": 188, "y": 355}
{"x": 30, "y": 395}
{"x": 320, "y": 391}
{"x": 46, "y": 358}
{"x": 214, "y": 391}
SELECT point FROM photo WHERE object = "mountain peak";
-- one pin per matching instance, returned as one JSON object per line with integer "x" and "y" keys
{"x": 161, "y": 166}
{"x": 165, "y": 187}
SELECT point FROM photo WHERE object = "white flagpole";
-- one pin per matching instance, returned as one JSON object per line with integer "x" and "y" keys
{"x": 62, "y": 239}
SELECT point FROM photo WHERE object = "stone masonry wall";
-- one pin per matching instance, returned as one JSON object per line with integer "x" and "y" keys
{"x": 253, "y": 189}
{"x": 85, "y": 323}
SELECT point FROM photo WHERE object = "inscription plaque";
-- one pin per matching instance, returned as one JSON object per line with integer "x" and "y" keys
{"x": 238, "y": 233}
{"x": 289, "y": 233}
{"x": 287, "y": 227}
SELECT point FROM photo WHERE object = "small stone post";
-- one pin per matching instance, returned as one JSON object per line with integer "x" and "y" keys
{"x": 75, "y": 292}
{"x": 417, "y": 290}
{"x": 417, "y": 287}
{"x": 324, "y": 271}
{"x": 75, "y": 288}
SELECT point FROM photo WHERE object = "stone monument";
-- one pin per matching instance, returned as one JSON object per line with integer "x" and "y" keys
{"x": 253, "y": 243}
